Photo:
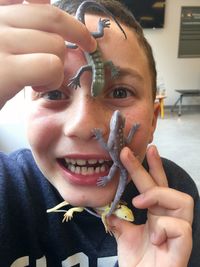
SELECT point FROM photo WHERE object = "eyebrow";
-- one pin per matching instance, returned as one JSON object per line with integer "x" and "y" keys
{"x": 123, "y": 71}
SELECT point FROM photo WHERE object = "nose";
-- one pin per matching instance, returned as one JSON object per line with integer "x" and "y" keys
{"x": 85, "y": 114}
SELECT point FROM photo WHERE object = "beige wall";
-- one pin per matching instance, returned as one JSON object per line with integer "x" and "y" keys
{"x": 178, "y": 73}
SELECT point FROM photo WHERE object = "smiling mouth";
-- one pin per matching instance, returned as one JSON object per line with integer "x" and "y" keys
{"x": 86, "y": 167}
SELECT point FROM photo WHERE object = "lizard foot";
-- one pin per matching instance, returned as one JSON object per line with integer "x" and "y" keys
{"x": 97, "y": 133}
{"x": 67, "y": 216}
{"x": 74, "y": 82}
{"x": 106, "y": 226}
{"x": 105, "y": 23}
{"x": 102, "y": 181}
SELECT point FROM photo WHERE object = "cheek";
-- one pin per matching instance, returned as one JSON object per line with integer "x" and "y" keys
{"x": 43, "y": 131}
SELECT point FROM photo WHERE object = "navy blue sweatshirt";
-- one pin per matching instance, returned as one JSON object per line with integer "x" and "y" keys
{"x": 31, "y": 237}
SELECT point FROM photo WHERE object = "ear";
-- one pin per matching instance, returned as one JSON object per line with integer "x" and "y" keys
{"x": 154, "y": 119}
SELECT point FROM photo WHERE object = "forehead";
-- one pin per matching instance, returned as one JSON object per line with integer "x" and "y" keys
{"x": 126, "y": 53}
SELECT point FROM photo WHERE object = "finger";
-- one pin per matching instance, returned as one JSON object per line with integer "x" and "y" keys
{"x": 23, "y": 41}
{"x": 173, "y": 236}
{"x": 173, "y": 203}
{"x": 176, "y": 233}
{"x": 155, "y": 166}
{"x": 46, "y": 69}
{"x": 50, "y": 19}
{"x": 118, "y": 226}
{"x": 38, "y": 1}
{"x": 10, "y": 2}
{"x": 141, "y": 178}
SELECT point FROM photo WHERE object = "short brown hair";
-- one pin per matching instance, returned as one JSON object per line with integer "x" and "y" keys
{"x": 123, "y": 15}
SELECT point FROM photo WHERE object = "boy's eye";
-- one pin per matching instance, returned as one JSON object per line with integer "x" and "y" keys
{"x": 120, "y": 92}
{"x": 54, "y": 95}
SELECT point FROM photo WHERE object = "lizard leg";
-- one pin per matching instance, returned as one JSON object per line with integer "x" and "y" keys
{"x": 132, "y": 132}
{"x": 102, "y": 181}
{"x": 103, "y": 218}
{"x": 54, "y": 209}
{"x": 99, "y": 138}
{"x": 102, "y": 24}
{"x": 93, "y": 213}
{"x": 75, "y": 81}
{"x": 69, "y": 214}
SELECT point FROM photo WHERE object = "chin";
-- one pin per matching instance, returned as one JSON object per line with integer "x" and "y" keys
{"x": 91, "y": 196}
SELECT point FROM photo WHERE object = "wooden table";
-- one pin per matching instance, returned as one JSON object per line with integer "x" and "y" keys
{"x": 161, "y": 98}
{"x": 184, "y": 93}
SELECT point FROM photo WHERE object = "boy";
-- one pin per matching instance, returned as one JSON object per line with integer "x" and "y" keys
{"x": 60, "y": 165}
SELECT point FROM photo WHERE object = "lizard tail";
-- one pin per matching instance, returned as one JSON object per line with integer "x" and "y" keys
{"x": 80, "y": 14}
{"x": 93, "y": 213}
{"x": 120, "y": 191}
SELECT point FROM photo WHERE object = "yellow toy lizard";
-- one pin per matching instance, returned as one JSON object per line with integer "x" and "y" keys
{"x": 121, "y": 211}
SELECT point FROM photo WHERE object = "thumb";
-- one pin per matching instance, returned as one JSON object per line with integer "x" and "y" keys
{"x": 117, "y": 226}
{"x": 125, "y": 231}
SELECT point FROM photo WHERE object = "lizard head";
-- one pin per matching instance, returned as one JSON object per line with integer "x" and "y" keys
{"x": 123, "y": 212}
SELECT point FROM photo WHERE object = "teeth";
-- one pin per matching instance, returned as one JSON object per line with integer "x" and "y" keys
{"x": 82, "y": 162}
{"x": 97, "y": 170}
{"x": 102, "y": 169}
{"x": 72, "y": 168}
{"x": 77, "y": 170}
{"x": 87, "y": 167}
{"x": 90, "y": 170}
{"x": 92, "y": 161}
{"x": 73, "y": 161}
{"x": 86, "y": 170}
{"x": 67, "y": 160}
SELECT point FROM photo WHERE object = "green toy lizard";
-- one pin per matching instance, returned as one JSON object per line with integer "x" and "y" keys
{"x": 121, "y": 211}
{"x": 95, "y": 63}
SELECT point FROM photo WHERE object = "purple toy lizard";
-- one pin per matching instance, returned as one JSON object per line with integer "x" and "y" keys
{"x": 116, "y": 141}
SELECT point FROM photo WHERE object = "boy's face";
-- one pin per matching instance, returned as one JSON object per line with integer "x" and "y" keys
{"x": 61, "y": 122}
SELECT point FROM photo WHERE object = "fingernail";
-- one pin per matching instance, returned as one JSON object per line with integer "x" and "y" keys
{"x": 138, "y": 198}
{"x": 130, "y": 153}
{"x": 153, "y": 238}
{"x": 155, "y": 152}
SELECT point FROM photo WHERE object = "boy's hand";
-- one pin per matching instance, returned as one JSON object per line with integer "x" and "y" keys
{"x": 166, "y": 238}
{"x": 32, "y": 48}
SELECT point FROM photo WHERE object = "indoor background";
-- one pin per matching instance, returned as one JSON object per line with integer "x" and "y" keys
{"x": 177, "y": 137}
